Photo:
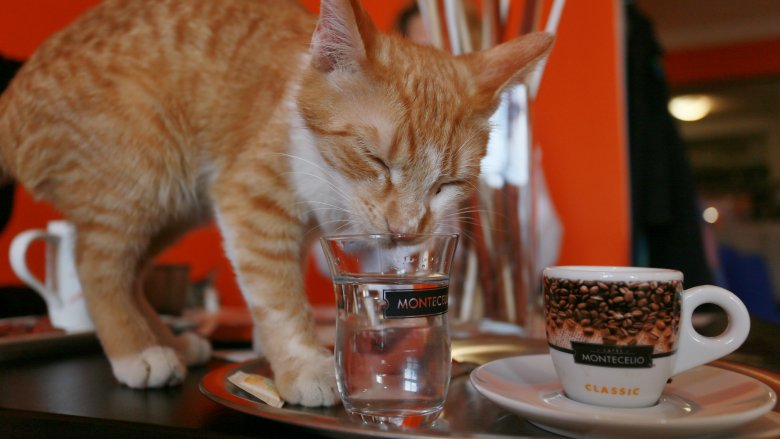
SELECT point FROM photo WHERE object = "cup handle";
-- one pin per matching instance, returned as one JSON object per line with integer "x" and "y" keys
{"x": 695, "y": 349}
{"x": 18, "y": 257}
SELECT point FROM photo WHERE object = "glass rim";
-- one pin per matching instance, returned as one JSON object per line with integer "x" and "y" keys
{"x": 397, "y": 236}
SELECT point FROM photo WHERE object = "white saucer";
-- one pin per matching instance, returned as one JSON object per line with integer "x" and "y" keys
{"x": 699, "y": 402}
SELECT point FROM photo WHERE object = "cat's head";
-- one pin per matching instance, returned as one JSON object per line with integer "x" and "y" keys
{"x": 400, "y": 128}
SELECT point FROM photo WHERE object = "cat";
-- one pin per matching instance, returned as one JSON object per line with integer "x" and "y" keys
{"x": 146, "y": 118}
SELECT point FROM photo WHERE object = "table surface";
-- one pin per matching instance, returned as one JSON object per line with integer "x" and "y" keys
{"x": 75, "y": 395}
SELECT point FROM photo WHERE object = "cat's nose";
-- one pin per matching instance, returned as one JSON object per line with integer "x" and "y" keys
{"x": 396, "y": 230}
{"x": 400, "y": 227}
{"x": 406, "y": 218}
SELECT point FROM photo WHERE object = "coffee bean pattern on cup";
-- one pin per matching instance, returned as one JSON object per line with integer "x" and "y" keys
{"x": 612, "y": 313}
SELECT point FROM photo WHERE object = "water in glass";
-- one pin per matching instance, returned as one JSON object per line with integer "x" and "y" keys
{"x": 392, "y": 369}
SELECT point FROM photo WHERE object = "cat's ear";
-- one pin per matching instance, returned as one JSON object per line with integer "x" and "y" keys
{"x": 343, "y": 37}
{"x": 505, "y": 64}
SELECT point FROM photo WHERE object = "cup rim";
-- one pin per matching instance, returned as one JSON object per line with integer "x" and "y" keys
{"x": 612, "y": 273}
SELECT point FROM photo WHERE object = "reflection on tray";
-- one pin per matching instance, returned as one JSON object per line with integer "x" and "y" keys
{"x": 20, "y": 326}
{"x": 34, "y": 337}
{"x": 466, "y": 413}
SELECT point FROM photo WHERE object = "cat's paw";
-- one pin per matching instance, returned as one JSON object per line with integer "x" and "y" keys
{"x": 312, "y": 385}
{"x": 156, "y": 366}
{"x": 196, "y": 350}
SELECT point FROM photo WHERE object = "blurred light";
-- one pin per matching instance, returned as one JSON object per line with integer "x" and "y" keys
{"x": 690, "y": 108}
{"x": 710, "y": 215}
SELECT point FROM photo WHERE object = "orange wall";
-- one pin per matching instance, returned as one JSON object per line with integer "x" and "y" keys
{"x": 578, "y": 122}
{"x": 580, "y": 126}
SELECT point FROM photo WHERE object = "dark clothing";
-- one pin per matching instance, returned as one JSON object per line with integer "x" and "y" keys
{"x": 665, "y": 216}
{"x": 8, "y": 68}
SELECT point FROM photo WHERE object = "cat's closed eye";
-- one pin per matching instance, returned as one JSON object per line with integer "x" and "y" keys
{"x": 379, "y": 162}
{"x": 446, "y": 185}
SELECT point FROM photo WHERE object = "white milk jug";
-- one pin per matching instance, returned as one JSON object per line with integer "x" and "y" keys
{"x": 61, "y": 290}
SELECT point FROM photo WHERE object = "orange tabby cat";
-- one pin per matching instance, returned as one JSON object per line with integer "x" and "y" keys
{"x": 147, "y": 117}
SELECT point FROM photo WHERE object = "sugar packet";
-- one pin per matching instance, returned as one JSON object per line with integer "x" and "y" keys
{"x": 258, "y": 386}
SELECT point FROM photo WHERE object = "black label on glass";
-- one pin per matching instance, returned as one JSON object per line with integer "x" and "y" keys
{"x": 415, "y": 303}
{"x": 628, "y": 357}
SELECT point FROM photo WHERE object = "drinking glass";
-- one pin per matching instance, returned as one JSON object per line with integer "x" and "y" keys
{"x": 392, "y": 336}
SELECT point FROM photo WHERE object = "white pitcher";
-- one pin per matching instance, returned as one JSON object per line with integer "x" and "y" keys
{"x": 61, "y": 289}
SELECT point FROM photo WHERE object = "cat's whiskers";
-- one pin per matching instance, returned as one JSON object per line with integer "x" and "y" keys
{"x": 320, "y": 226}
{"x": 315, "y": 165}
{"x": 469, "y": 209}
{"x": 308, "y": 162}
{"x": 336, "y": 190}
{"x": 465, "y": 214}
{"x": 345, "y": 223}
{"x": 323, "y": 209}
{"x": 473, "y": 187}
{"x": 454, "y": 219}
{"x": 467, "y": 142}
{"x": 323, "y": 169}
{"x": 344, "y": 226}
{"x": 327, "y": 206}
{"x": 452, "y": 228}
{"x": 328, "y": 175}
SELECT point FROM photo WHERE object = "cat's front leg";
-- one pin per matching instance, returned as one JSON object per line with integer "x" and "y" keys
{"x": 139, "y": 358}
{"x": 263, "y": 238}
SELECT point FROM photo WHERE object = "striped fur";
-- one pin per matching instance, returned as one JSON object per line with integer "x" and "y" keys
{"x": 145, "y": 118}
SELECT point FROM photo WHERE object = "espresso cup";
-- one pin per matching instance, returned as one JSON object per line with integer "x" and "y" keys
{"x": 617, "y": 334}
